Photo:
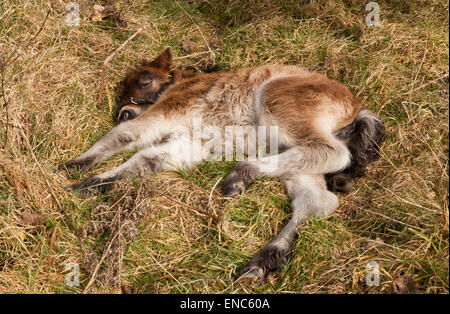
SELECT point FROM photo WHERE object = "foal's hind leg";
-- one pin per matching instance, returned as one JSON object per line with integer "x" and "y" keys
{"x": 310, "y": 198}
{"x": 323, "y": 156}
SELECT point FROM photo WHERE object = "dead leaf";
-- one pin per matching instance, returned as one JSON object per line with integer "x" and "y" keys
{"x": 188, "y": 45}
{"x": 32, "y": 218}
{"x": 102, "y": 13}
{"x": 99, "y": 12}
{"x": 127, "y": 289}
{"x": 405, "y": 285}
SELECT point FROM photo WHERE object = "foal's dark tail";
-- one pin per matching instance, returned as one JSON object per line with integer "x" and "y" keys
{"x": 363, "y": 137}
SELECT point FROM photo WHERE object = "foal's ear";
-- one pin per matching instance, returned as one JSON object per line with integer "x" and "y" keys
{"x": 164, "y": 60}
{"x": 144, "y": 62}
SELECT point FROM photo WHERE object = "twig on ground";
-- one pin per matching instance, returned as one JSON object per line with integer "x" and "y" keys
{"x": 118, "y": 233}
{"x": 201, "y": 212}
{"x": 211, "y": 193}
{"x": 99, "y": 264}
{"x": 4, "y": 64}
{"x": 192, "y": 55}
{"x": 61, "y": 208}
{"x": 14, "y": 53}
{"x": 328, "y": 63}
{"x": 213, "y": 56}
{"x": 426, "y": 84}
{"x": 52, "y": 238}
{"x": 5, "y": 104}
{"x": 109, "y": 58}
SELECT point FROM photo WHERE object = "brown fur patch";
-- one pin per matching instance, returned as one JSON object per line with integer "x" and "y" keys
{"x": 183, "y": 95}
{"x": 131, "y": 83}
{"x": 296, "y": 102}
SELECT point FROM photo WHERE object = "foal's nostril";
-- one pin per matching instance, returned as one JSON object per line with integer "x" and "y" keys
{"x": 123, "y": 116}
{"x": 126, "y": 115}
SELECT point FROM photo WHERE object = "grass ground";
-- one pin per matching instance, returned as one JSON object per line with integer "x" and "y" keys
{"x": 397, "y": 216}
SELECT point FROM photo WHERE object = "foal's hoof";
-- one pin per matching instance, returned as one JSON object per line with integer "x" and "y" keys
{"x": 76, "y": 165}
{"x": 269, "y": 260}
{"x": 233, "y": 184}
{"x": 91, "y": 186}
{"x": 242, "y": 176}
{"x": 342, "y": 183}
{"x": 252, "y": 274}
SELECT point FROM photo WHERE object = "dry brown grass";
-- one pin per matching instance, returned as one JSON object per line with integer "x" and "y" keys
{"x": 50, "y": 91}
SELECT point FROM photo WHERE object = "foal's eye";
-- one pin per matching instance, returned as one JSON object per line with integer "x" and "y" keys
{"x": 145, "y": 83}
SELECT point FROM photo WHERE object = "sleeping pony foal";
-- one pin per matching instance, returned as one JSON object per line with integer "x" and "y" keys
{"x": 324, "y": 139}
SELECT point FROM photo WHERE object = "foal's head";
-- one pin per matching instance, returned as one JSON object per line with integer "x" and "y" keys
{"x": 142, "y": 87}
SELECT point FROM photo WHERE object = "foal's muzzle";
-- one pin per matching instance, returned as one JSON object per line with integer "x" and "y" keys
{"x": 136, "y": 101}
{"x": 132, "y": 107}
{"x": 126, "y": 115}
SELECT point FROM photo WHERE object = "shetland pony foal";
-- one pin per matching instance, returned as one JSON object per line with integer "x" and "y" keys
{"x": 325, "y": 138}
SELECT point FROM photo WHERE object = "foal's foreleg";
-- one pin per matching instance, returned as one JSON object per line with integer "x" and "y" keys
{"x": 310, "y": 198}
{"x": 172, "y": 155}
{"x": 124, "y": 137}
